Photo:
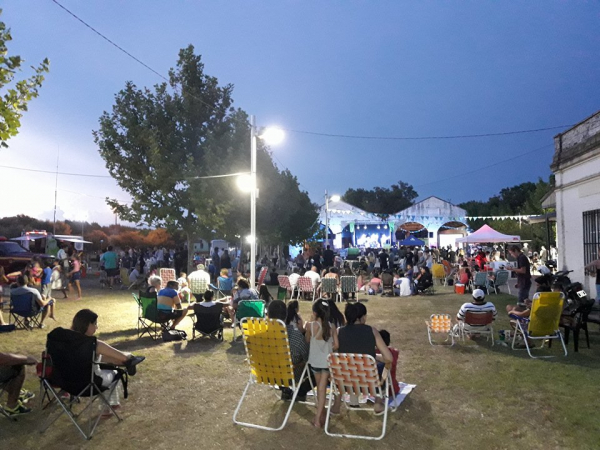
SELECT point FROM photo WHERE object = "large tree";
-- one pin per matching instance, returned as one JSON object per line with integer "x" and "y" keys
{"x": 382, "y": 201}
{"x": 18, "y": 94}
{"x": 161, "y": 144}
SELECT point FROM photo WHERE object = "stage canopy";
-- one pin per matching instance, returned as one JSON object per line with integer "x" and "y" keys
{"x": 487, "y": 234}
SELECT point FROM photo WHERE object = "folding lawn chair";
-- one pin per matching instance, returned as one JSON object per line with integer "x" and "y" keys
{"x": 330, "y": 286}
{"x": 24, "y": 309}
{"x": 208, "y": 321}
{"x": 224, "y": 288}
{"x": 284, "y": 283}
{"x": 72, "y": 356}
{"x": 166, "y": 275}
{"x": 248, "y": 308}
{"x": 480, "y": 281}
{"x": 440, "y": 324}
{"x": 477, "y": 323}
{"x": 450, "y": 276}
{"x": 348, "y": 285}
{"x": 305, "y": 284}
{"x": 149, "y": 320}
{"x": 261, "y": 276}
{"x": 356, "y": 374}
{"x": 543, "y": 322}
{"x": 502, "y": 277}
{"x": 438, "y": 273}
{"x": 270, "y": 362}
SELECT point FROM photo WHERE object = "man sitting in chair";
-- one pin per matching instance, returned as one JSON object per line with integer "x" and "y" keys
{"x": 12, "y": 375}
{"x": 169, "y": 303}
{"x": 477, "y": 305}
{"x": 46, "y": 305}
{"x": 198, "y": 281}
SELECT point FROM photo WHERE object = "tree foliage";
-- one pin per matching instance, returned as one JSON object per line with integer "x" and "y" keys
{"x": 160, "y": 144}
{"x": 18, "y": 94}
{"x": 382, "y": 201}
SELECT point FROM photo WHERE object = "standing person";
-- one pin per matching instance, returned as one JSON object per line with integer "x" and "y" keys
{"x": 317, "y": 261}
{"x": 57, "y": 277}
{"x": 109, "y": 258}
{"x": 63, "y": 260}
{"x": 75, "y": 275}
{"x": 225, "y": 260}
{"x": 523, "y": 271}
{"x": 322, "y": 337}
{"x": 383, "y": 260}
{"x": 328, "y": 257}
{"x": 595, "y": 266}
{"x": 216, "y": 260}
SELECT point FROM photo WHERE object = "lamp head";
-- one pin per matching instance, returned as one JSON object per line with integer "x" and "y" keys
{"x": 335, "y": 198}
{"x": 272, "y": 135}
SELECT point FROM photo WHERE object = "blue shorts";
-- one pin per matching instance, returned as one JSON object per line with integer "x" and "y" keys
{"x": 76, "y": 276}
{"x": 316, "y": 370}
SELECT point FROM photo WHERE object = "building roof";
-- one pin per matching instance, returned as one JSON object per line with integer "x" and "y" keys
{"x": 578, "y": 143}
{"x": 433, "y": 206}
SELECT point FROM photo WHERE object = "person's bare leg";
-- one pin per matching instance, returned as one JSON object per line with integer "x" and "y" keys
{"x": 44, "y": 314}
{"x": 13, "y": 388}
{"x": 110, "y": 354}
{"x": 2, "y": 322}
{"x": 78, "y": 286}
{"x": 179, "y": 319}
{"x": 321, "y": 378}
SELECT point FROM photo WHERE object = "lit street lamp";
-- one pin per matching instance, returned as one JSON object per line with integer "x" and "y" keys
{"x": 271, "y": 136}
{"x": 333, "y": 198}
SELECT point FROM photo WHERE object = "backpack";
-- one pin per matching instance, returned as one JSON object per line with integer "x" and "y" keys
{"x": 174, "y": 335}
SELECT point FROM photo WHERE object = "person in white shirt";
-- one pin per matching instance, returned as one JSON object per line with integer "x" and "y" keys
{"x": 134, "y": 275}
{"x": 314, "y": 276}
{"x": 402, "y": 286}
{"x": 479, "y": 304}
{"x": 198, "y": 282}
{"x": 294, "y": 278}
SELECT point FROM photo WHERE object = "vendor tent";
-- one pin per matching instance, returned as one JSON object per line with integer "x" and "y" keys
{"x": 412, "y": 242}
{"x": 487, "y": 234}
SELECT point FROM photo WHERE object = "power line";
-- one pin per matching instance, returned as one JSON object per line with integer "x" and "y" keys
{"x": 497, "y": 163}
{"x": 420, "y": 138}
{"x": 314, "y": 133}
{"x": 56, "y": 172}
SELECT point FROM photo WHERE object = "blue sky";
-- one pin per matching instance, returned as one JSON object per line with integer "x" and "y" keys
{"x": 383, "y": 68}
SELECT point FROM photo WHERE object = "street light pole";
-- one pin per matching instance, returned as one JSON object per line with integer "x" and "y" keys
{"x": 252, "y": 201}
{"x": 326, "y": 220}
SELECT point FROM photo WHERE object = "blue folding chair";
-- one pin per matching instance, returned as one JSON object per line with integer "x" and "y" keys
{"x": 25, "y": 311}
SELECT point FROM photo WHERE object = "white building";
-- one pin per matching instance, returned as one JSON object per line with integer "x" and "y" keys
{"x": 576, "y": 166}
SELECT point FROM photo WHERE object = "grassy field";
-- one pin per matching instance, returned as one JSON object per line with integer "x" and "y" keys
{"x": 468, "y": 395}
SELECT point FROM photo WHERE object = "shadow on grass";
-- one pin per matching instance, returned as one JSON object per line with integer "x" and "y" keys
{"x": 118, "y": 333}
{"x": 199, "y": 345}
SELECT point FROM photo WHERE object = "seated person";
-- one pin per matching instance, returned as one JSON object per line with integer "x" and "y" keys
{"x": 402, "y": 286}
{"x": 135, "y": 278}
{"x": 387, "y": 281}
{"x": 375, "y": 286}
{"x": 169, "y": 304}
{"x": 12, "y": 375}
{"x": 243, "y": 292}
{"x": 314, "y": 276}
{"x": 185, "y": 294}
{"x": 424, "y": 280}
{"x": 478, "y": 304}
{"x": 86, "y": 322}
{"x": 273, "y": 280}
{"x": 207, "y": 301}
{"x": 225, "y": 282}
{"x": 46, "y": 306}
{"x": 154, "y": 283}
{"x": 294, "y": 279}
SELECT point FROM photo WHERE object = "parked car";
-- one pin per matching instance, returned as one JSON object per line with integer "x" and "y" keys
{"x": 14, "y": 258}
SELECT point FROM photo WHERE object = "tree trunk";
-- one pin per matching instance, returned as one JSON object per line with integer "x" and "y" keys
{"x": 190, "y": 252}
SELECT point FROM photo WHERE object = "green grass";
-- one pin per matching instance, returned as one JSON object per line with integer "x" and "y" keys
{"x": 185, "y": 393}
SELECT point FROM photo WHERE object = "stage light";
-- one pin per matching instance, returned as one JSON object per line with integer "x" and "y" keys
{"x": 335, "y": 198}
{"x": 378, "y": 227}
{"x": 385, "y": 227}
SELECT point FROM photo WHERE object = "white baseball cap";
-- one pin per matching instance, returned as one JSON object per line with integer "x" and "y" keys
{"x": 478, "y": 294}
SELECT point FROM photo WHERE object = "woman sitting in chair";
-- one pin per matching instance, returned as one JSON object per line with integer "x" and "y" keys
{"x": 225, "y": 282}
{"x": 424, "y": 280}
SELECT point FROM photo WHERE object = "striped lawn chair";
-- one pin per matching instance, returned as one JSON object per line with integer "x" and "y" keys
{"x": 270, "y": 363}
{"x": 349, "y": 285}
{"x": 305, "y": 285}
{"x": 166, "y": 275}
{"x": 356, "y": 374}
{"x": 440, "y": 324}
{"x": 438, "y": 273}
{"x": 284, "y": 283}
{"x": 480, "y": 281}
{"x": 330, "y": 286}
{"x": 480, "y": 322}
{"x": 501, "y": 279}
{"x": 261, "y": 276}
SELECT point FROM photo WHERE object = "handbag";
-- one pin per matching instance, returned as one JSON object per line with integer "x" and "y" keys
{"x": 174, "y": 335}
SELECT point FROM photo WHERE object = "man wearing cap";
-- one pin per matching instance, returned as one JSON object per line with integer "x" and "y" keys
{"x": 198, "y": 282}
{"x": 477, "y": 305}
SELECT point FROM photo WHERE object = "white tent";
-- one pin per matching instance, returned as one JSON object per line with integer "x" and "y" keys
{"x": 488, "y": 234}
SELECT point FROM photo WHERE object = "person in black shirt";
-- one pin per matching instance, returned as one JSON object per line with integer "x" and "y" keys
{"x": 383, "y": 259}
{"x": 328, "y": 257}
{"x": 523, "y": 271}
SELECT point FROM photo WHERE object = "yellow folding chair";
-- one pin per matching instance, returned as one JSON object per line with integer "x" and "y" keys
{"x": 438, "y": 273}
{"x": 543, "y": 321}
{"x": 440, "y": 324}
{"x": 270, "y": 362}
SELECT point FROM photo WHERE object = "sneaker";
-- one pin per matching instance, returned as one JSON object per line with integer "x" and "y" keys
{"x": 107, "y": 413}
{"x": 25, "y": 396}
{"x": 132, "y": 362}
{"x": 41, "y": 326}
{"x": 17, "y": 410}
{"x": 287, "y": 394}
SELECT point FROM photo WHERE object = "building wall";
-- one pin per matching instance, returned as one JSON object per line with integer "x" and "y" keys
{"x": 577, "y": 190}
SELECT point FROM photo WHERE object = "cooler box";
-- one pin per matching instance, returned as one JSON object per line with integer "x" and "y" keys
{"x": 459, "y": 288}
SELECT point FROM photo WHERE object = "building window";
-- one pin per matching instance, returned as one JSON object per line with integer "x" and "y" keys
{"x": 591, "y": 235}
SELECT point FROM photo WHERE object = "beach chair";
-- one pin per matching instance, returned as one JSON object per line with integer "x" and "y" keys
{"x": 438, "y": 273}
{"x": 25, "y": 313}
{"x": 270, "y": 363}
{"x": 502, "y": 277}
{"x": 224, "y": 288}
{"x": 543, "y": 322}
{"x": 348, "y": 285}
{"x": 330, "y": 286}
{"x": 305, "y": 285}
{"x": 245, "y": 309}
{"x": 72, "y": 356}
{"x": 208, "y": 321}
{"x": 480, "y": 281}
{"x": 149, "y": 321}
{"x": 284, "y": 283}
{"x": 166, "y": 275}
{"x": 440, "y": 324}
{"x": 477, "y": 323}
{"x": 356, "y": 375}
{"x": 261, "y": 276}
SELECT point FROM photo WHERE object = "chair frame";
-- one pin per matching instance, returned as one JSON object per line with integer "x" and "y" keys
{"x": 166, "y": 278}
{"x": 355, "y": 284}
{"x": 261, "y": 276}
{"x": 237, "y": 321}
{"x": 494, "y": 285}
{"x": 284, "y": 282}
{"x": 146, "y": 325}
{"x": 216, "y": 334}
{"x": 335, "y": 292}
{"x": 272, "y": 380}
{"x": 477, "y": 322}
{"x": 300, "y": 290}
{"x": 19, "y": 320}
{"x": 357, "y": 387}
{"x": 55, "y": 399}
{"x": 449, "y": 330}
{"x": 485, "y": 280}
{"x": 523, "y": 325}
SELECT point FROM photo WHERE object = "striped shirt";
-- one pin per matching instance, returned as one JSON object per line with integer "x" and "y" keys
{"x": 198, "y": 281}
{"x": 475, "y": 307}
